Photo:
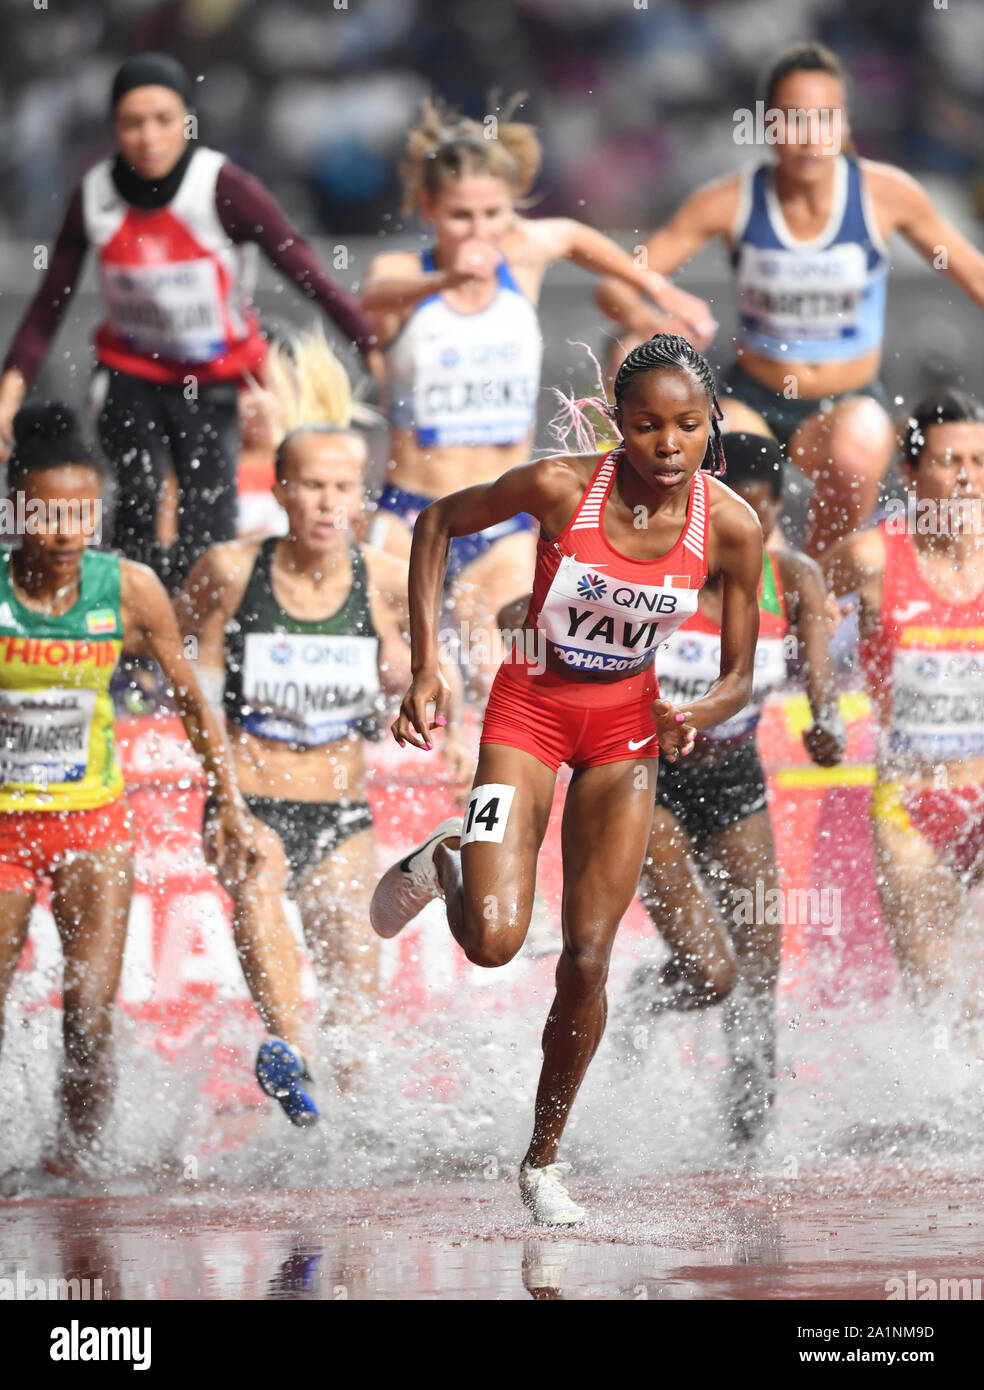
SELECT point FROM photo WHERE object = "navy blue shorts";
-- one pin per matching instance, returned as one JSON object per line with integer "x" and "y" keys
{"x": 783, "y": 416}
{"x": 465, "y": 550}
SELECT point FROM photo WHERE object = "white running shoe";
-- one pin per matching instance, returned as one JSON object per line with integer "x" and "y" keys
{"x": 410, "y": 884}
{"x": 547, "y": 1197}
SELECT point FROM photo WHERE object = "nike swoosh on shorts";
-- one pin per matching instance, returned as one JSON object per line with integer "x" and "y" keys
{"x": 638, "y": 743}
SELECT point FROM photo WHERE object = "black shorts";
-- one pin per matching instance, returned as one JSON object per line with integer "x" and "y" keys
{"x": 712, "y": 797}
{"x": 783, "y": 416}
{"x": 309, "y": 830}
{"x": 144, "y": 429}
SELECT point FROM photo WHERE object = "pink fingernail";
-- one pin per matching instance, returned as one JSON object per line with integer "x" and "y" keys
{"x": 427, "y": 747}
{"x": 441, "y": 720}
{"x": 401, "y": 743}
{"x": 679, "y": 719}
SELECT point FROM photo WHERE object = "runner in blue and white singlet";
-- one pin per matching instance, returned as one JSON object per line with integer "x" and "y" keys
{"x": 807, "y": 227}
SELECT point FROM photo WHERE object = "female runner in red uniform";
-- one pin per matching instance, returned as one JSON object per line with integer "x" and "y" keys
{"x": 627, "y": 540}
{"x": 711, "y": 843}
{"x": 175, "y": 228}
{"x": 920, "y": 586}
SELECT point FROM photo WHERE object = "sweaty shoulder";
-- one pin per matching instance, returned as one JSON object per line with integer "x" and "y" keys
{"x": 856, "y": 564}
{"x": 541, "y": 238}
{"x": 565, "y": 476}
{"x": 220, "y": 576}
{"x": 138, "y": 582}
{"x": 895, "y": 194}
{"x": 882, "y": 176}
{"x": 865, "y": 551}
{"x": 730, "y": 518}
{"x": 560, "y": 484}
{"x": 710, "y": 211}
{"x": 795, "y": 568}
{"x": 734, "y": 535}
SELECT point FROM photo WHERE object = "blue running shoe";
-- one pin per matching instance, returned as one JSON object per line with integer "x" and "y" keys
{"x": 280, "y": 1069}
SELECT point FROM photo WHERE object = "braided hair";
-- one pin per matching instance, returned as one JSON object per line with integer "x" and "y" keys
{"x": 670, "y": 352}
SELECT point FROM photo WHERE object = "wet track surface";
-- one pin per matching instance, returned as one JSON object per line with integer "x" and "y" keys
{"x": 690, "y": 1236}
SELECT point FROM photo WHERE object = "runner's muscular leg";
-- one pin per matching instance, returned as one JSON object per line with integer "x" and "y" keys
{"x": 606, "y": 826}
{"x": 684, "y": 912}
{"x": 845, "y": 453}
{"x": 921, "y": 899}
{"x": 333, "y": 900}
{"x": 90, "y": 901}
{"x": 265, "y": 943}
{"x": 746, "y": 855}
{"x": 15, "y": 914}
{"x": 488, "y": 887}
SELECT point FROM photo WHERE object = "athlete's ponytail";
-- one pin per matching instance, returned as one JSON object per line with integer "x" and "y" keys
{"x": 445, "y": 145}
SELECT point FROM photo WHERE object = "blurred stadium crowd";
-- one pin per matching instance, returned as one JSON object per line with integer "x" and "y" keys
{"x": 633, "y": 98}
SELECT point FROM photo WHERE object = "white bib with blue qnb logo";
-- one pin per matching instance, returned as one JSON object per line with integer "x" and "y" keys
{"x": 174, "y": 310}
{"x": 457, "y": 378}
{"x": 937, "y": 704}
{"x": 690, "y": 662}
{"x": 594, "y": 622}
{"x": 174, "y": 284}
{"x": 815, "y": 301}
{"x": 308, "y": 689}
{"x": 44, "y": 735}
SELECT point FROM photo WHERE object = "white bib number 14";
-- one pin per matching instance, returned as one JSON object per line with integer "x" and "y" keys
{"x": 487, "y": 813}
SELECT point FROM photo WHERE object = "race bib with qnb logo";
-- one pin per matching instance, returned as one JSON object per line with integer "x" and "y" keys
{"x": 690, "y": 663}
{"x": 476, "y": 393}
{"x": 938, "y": 704}
{"x": 174, "y": 309}
{"x": 595, "y": 622}
{"x": 308, "y": 689}
{"x": 802, "y": 294}
{"x": 44, "y": 737}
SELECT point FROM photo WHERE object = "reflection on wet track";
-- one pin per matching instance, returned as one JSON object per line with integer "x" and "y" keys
{"x": 861, "y": 1234}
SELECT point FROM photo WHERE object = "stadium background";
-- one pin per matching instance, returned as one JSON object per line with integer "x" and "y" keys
{"x": 635, "y": 107}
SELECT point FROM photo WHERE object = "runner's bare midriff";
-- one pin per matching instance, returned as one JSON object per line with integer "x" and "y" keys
{"x": 814, "y": 380}
{"x": 437, "y": 471}
{"x": 334, "y": 772}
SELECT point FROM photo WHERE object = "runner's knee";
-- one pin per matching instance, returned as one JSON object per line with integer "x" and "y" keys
{"x": 494, "y": 930}
{"x": 582, "y": 971}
